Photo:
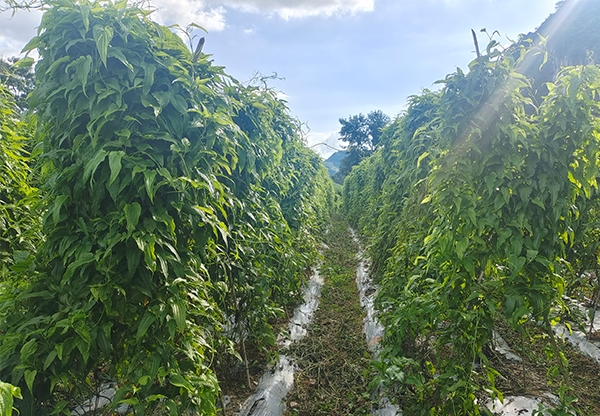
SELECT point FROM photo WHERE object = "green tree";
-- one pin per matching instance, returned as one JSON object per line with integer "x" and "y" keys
{"x": 362, "y": 134}
{"x": 17, "y": 77}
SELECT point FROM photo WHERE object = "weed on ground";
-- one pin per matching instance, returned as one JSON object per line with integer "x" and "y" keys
{"x": 333, "y": 360}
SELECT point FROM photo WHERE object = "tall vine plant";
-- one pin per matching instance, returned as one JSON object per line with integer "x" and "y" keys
{"x": 19, "y": 220}
{"x": 19, "y": 223}
{"x": 165, "y": 219}
{"x": 485, "y": 191}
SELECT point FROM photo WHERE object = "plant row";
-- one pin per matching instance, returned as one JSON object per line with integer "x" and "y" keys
{"x": 480, "y": 205}
{"x": 174, "y": 216}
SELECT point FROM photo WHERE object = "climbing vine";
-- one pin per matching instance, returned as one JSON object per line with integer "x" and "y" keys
{"x": 481, "y": 196}
{"x": 166, "y": 237}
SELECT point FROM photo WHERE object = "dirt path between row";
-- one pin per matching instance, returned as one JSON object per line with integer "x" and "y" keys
{"x": 334, "y": 364}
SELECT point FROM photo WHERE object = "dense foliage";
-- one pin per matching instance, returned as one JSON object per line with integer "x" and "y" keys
{"x": 17, "y": 76}
{"x": 19, "y": 226}
{"x": 362, "y": 134}
{"x": 472, "y": 207}
{"x": 19, "y": 221}
{"x": 180, "y": 215}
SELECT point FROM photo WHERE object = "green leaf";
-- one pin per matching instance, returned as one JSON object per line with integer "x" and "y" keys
{"x": 472, "y": 216}
{"x": 59, "y": 350}
{"x": 6, "y": 399}
{"x": 179, "y": 312}
{"x": 132, "y": 215}
{"x": 115, "y": 52}
{"x": 155, "y": 397}
{"x": 85, "y": 15}
{"x": 172, "y": 406}
{"x": 133, "y": 401}
{"x": 155, "y": 365}
{"x": 28, "y": 349}
{"x": 198, "y": 27}
{"x": 461, "y": 247}
{"x": 81, "y": 260}
{"x": 147, "y": 320}
{"x": 114, "y": 162}
{"x": 82, "y": 67}
{"x": 519, "y": 313}
{"x": 148, "y": 78}
{"x": 179, "y": 381}
{"x": 7, "y": 392}
{"x": 58, "y": 203}
{"x": 26, "y": 62}
{"x": 150, "y": 253}
{"x": 29, "y": 378}
{"x": 92, "y": 164}
{"x": 49, "y": 359}
{"x": 516, "y": 265}
{"x": 537, "y": 201}
{"x": 149, "y": 178}
{"x": 32, "y": 44}
{"x": 531, "y": 255}
{"x": 179, "y": 103}
{"x": 102, "y": 37}
{"x": 421, "y": 158}
{"x": 544, "y": 60}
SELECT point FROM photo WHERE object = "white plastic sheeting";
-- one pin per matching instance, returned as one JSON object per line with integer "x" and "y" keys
{"x": 102, "y": 399}
{"x": 372, "y": 327}
{"x": 303, "y": 315}
{"x": 514, "y": 406}
{"x": 386, "y": 409}
{"x": 268, "y": 399}
{"x": 501, "y": 346}
{"x": 578, "y": 338}
{"x": 367, "y": 292}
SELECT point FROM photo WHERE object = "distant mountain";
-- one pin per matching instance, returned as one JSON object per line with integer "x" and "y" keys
{"x": 572, "y": 38}
{"x": 333, "y": 162}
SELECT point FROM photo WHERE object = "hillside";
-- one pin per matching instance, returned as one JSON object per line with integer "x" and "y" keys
{"x": 570, "y": 36}
{"x": 333, "y": 162}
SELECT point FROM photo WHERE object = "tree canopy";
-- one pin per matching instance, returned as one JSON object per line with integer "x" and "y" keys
{"x": 362, "y": 133}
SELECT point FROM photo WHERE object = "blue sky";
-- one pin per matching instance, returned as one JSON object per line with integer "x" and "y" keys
{"x": 336, "y": 58}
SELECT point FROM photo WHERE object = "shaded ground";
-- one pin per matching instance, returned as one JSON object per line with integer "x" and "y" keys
{"x": 538, "y": 373}
{"x": 233, "y": 379}
{"x": 333, "y": 360}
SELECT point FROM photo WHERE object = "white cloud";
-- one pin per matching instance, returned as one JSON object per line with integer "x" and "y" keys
{"x": 17, "y": 30}
{"x": 184, "y": 12}
{"x": 325, "y": 144}
{"x": 299, "y": 8}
